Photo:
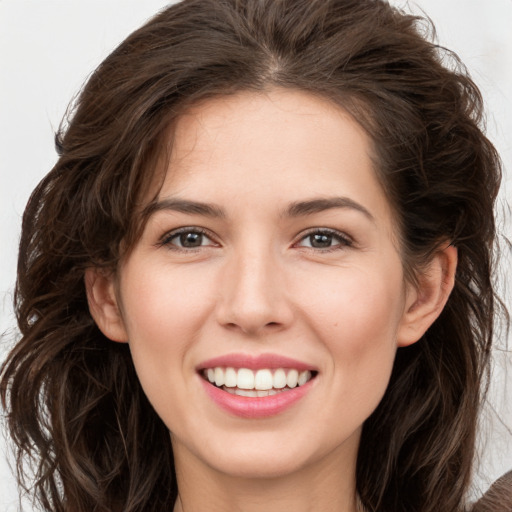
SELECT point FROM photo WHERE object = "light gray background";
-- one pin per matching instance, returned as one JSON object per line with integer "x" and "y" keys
{"x": 49, "y": 47}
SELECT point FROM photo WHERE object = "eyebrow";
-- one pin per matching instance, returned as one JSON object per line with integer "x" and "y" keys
{"x": 295, "y": 209}
{"x": 317, "y": 205}
{"x": 185, "y": 206}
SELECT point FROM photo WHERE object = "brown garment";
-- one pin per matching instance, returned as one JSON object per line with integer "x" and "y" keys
{"x": 498, "y": 498}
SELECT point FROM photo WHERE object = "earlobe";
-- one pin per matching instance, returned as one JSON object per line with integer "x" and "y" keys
{"x": 425, "y": 302}
{"x": 103, "y": 304}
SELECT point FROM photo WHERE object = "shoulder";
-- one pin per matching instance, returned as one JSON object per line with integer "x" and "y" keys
{"x": 498, "y": 498}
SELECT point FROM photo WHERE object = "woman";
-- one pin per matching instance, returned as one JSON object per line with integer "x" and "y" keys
{"x": 258, "y": 278}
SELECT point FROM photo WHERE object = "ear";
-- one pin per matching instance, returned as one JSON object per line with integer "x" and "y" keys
{"x": 426, "y": 300}
{"x": 103, "y": 304}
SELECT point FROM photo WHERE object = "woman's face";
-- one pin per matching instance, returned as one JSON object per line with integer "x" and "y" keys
{"x": 271, "y": 255}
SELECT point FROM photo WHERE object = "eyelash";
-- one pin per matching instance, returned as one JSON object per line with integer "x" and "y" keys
{"x": 343, "y": 240}
{"x": 167, "y": 239}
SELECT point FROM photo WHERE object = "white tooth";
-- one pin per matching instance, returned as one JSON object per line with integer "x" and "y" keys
{"x": 219, "y": 376}
{"x": 279, "y": 380}
{"x": 292, "y": 378}
{"x": 210, "y": 374}
{"x": 229, "y": 390}
{"x": 245, "y": 379}
{"x": 262, "y": 392}
{"x": 304, "y": 377}
{"x": 263, "y": 379}
{"x": 230, "y": 378}
{"x": 272, "y": 392}
{"x": 246, "y": 392}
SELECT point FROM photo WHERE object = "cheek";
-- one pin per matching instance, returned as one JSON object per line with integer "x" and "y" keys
{"x": 356, "y": 315}
{"x": 160, "y": 305}
{"x": 163, "y": 314}
{"x": 360, "y": 306}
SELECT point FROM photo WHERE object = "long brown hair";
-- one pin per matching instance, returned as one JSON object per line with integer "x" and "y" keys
{"x": 75, "y": 407}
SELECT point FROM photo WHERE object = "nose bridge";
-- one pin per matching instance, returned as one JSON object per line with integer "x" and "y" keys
{"x": 253, "y": 296}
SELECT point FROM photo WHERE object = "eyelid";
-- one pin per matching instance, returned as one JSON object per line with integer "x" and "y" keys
{"x": 345, "y": 240}
{"x": 168, "y": 236}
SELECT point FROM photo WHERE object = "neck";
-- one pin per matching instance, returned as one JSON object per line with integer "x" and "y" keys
{"x": 328, "y": 485}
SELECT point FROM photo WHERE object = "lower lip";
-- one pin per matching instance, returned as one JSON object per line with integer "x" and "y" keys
{"x": 256, "y": 407}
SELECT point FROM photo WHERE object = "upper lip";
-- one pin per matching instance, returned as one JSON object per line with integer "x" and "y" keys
{"x": 255, "y": 362}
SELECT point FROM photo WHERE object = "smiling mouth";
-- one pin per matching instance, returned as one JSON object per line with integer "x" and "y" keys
{"x": 259, "y": 383}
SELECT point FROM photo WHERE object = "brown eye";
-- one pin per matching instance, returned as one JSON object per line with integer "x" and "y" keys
{"x": 321, "y": 241}
{"x": 325, "y": 239}
{"x": 187, "y": 239}
{"x": 190, "y": 239}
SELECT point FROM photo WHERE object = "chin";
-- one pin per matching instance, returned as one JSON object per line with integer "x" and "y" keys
{"x": 259, "y": 466}
{"x": 265, "y": 455}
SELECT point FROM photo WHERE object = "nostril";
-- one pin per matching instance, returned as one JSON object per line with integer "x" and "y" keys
{"x": 253, "y": 328}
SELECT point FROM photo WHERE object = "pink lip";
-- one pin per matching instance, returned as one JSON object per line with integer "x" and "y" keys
{"x": 255, "y": 407}
{"x": 270, "y": 361}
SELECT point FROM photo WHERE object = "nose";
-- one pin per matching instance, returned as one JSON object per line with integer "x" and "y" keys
{"x": 254, "y": 296}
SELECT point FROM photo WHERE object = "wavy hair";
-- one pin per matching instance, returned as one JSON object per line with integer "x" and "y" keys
{"x": 74, "y": 406}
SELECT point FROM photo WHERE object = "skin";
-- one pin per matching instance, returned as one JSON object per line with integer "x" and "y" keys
{"x": 257, "y": 285}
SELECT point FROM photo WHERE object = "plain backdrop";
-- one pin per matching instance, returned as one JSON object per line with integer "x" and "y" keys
{"x": 49, "y": 47}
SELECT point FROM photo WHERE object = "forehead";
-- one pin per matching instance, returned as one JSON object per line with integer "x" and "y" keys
{"x": 273, "y": 148}
{"x": 259, "y": 117}
{"x": 252, "y": 131}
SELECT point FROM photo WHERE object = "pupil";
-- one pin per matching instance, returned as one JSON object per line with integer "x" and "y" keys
{"x": 191, "y": 239}
{"x": 321, "y": 241}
